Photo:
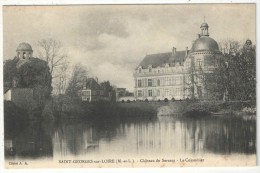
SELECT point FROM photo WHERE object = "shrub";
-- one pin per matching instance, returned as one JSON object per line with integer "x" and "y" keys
{"x": 166, "y": 100}
{"x": 159, "y": 100}
{"x": 146, "y": 100}
{"x": 128, "y": 101}
{"x": 123, "y": 101}
{"x": 173, "y": 99}
{"x": 194, "y": 99}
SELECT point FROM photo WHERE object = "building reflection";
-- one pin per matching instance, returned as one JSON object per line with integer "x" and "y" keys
{"x": 167, "y": 136}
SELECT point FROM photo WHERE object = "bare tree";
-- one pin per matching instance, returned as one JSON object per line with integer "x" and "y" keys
{"x": 51, "y": 51}
{"x": 79, "y": 75}
{"x": 228, "y": 46}
{"x": 61, "y": 78}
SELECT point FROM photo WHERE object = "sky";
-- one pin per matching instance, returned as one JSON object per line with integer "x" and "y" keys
{"x": 111, "y": 40}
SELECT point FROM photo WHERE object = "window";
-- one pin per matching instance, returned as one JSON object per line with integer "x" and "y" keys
{"x": 150, "y": 69}
{"x": 158, "y": 92}
{"x": 166, "y": 92}
{"x": 199, "y": 91}
{"x": 85, "y": 98}
{"x": 187, "y": 65}
{"x": 140, "y": 70}
{"x": 178, "y": 91}
{"x": 150, "y": 82}
{"x": 187, "y": 92}
{"x": 150, "y": 93}
{"x": 158, "y": 82}
{"x": 140, "y": 93}
{"x": 139, "y": 83}
{"x": 167, "y": 81}
{"x": 178, "y": 81}
{"x": 86, "y": 93}
{"x": 173, "y": 81}
{"x": 199, "y": 63}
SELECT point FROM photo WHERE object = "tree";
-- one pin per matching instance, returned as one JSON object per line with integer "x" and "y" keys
{"x": 36, "y": 72}
{"x": 30, "y": 74}
{"x": 243, "y": 73}
{"x": 10, "y": 71}
{"x": 235, "y": 74}
{"x": 51, "y": 51}
{"x": 61, "y": 80}
{"x": 109, "y": 90}
{"x": 107, "y": 87}
{"x": 79, "y": 75}
{"x": 229, "y": 46}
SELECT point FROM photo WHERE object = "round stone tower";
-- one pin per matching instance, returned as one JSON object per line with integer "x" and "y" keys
{"x": 24, "y": 51}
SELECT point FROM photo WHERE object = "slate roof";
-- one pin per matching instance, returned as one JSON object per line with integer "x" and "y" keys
{"x": 160, "y": 59}
{"x": 92, "y": 84}
{"x": 205, "y": 43}
{"x": 6, "y": 89}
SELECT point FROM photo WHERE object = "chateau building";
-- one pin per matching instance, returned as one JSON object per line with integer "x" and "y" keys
{"x": 91, "y": 91}
{"x": 177, "y": 74}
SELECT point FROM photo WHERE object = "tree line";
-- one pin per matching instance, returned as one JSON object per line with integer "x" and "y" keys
{"x": 234, "y": 75}
{"x": 51, "y": 72}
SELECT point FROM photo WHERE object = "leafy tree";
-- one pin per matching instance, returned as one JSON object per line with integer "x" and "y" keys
{"x": 30, "y": 74}
{"x": 243, "y": 73}
{"x": 33, "y": 73}
{"x": 10, "y": 71}
{"x": 235, "y": 74}
{"x": 107, "y": 87}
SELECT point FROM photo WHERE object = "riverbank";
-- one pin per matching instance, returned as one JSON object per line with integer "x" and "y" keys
{"x": 107, "y": 110}
{"x": 208, "y": 108}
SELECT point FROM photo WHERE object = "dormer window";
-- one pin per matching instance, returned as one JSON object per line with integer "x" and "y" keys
{"x": 166, "y": 65}
{"x": 150, "y": 68}
{"x": 140, "y": 70}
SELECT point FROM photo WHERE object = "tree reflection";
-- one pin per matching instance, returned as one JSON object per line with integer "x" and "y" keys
{"x": 33, "y": 139}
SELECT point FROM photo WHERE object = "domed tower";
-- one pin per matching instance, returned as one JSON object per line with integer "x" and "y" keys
{"x": 204, "y": 29}
{"x": 24, "y": 51}
{"x": 204, "y": 48}
{"x": 205, "y": 44}
{"x": 203, "y": 56}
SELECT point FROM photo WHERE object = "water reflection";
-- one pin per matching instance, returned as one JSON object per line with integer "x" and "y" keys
{"x": 33, "y": 139}
{"x": 166, "y": 135}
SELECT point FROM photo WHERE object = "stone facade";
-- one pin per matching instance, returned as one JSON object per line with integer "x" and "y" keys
{"x": 177, "y": 74}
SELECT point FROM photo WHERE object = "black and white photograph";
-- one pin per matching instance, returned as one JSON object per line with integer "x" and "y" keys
{"x": 129, "y": 85}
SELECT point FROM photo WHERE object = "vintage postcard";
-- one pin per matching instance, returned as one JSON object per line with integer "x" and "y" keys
{"x": 108, "y": 86}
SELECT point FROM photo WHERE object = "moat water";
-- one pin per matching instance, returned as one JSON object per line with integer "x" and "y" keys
{"x": 133, "y": 136}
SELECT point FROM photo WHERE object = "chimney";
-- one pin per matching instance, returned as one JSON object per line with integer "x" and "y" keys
{"x": 173, "y": 51}
{"x": 14, "y": 83}
{"x": 198, "y": 35}
{"x": 84, "y": 84}
{"x": 186, "y": 51}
